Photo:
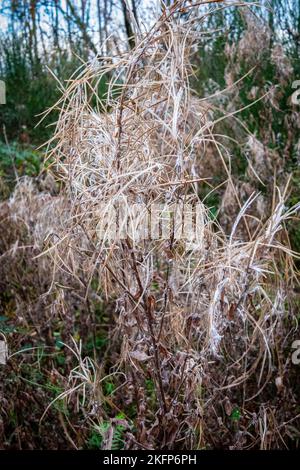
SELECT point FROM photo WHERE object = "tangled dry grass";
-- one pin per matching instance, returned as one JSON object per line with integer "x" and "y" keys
{"x": 200, "y": 331}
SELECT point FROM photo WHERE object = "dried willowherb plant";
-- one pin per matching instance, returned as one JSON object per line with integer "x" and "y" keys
{"x": 194, "y": 317}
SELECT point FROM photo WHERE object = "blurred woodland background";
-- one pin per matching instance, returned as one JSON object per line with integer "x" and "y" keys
{"x": 42, "y": 44}
{"x": 41, "y": 40}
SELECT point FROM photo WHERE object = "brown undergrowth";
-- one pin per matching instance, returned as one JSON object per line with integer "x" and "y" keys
{"x": 199, "y": 333}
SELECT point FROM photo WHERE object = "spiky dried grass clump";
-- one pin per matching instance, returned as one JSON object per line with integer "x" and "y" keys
{"x": 193, "y": 319}
{"x": 30, "y": 286}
